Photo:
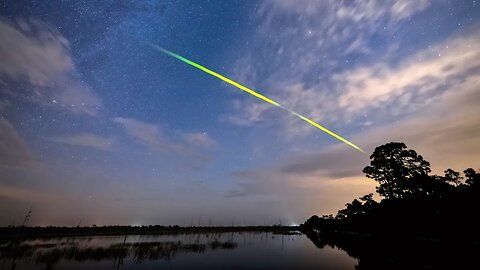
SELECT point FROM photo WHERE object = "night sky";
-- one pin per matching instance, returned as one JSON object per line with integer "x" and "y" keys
{"x": 96, "y": 127}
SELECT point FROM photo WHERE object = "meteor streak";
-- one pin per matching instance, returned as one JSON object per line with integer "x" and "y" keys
{"x": 253, "y": 93}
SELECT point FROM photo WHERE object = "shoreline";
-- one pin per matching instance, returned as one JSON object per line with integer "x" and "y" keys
{"x": 54, "y": 231}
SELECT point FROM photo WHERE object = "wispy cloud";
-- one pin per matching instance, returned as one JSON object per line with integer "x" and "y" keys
{"x": 319, "y": 194}
{"x": 413, "y": 81}
{"x": 447, "y": 135}
{"x": 186, "y": 144}
{"x": 309, "y": 46}
{"x": 200, "y": 139}
{"x": 371, "y": 93}
{"x": 87, "y": 140}
{"x": 358, "y": 11}
{"x": 148, "y": 134}
{"x": 14, "y": 151}
{"x": 37, "y": 64}
{"x": 404, "y": 8}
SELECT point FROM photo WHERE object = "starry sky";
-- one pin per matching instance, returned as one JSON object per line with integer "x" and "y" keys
{"x": 98, "y": 128}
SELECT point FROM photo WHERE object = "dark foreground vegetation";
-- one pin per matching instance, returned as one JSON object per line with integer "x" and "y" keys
{"x": 414, "y": 202}
{"x": 423, "y": 221}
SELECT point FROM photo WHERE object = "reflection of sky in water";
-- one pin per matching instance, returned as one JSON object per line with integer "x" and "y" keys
{"x": 188, "y": 251}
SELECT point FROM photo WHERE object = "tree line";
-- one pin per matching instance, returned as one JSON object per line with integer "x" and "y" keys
{"x": 413, "y": 201}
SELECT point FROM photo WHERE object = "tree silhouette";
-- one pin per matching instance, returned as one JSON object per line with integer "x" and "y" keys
{"x": 395, "y": 167}
{"x": 357, "y": 207}
{"x": 414, "y": 204}
{"x": 368, "y": 202}
{"x": 452, "y": 177}
{"x": 352, "y": 209}
{"x": 473, "y": 178}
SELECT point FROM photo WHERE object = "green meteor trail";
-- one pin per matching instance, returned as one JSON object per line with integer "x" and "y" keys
{"x": 253, "y": 93}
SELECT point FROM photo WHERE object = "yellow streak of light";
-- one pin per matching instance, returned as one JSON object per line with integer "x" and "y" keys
{"x": 253, "y": 93}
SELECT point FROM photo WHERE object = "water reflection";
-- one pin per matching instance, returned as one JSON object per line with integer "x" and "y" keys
{"x": 51, "y": 253}
{"x": 391, "y": 252}
{"x": 236, "y": 250}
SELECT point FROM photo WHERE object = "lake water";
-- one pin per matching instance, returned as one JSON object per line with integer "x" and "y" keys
{"x": 239, "y": 250}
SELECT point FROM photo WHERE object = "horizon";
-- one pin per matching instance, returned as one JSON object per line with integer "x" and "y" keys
{"x": 98, "y": 128}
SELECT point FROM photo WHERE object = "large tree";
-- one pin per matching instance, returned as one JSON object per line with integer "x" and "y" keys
{"x": 473, "y": 178}
{"x": 395, "y": 168}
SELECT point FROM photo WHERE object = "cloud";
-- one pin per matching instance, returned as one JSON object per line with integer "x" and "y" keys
{"x": 301, "y": 46}
{"x": 371, "y": 93}
{"x": 37, "y": 64}
{"x": 14, "y": 152}
{"x": 251, "y": 113}
{"x": 404, "y": 8}
{"x": 201, "y": 140}
{"x": 33, "y": 51}
{"x": 447, "y": 134}
{"x": 305, "y": 73}
{"x": 147, "y": 134}
{"x": 355, "y": 10}
{"x": 153, "y": 138}
{"x": 87, "y": 140}
{"x": 319, "y": 194}
{"x": 443, "y": 66}
{"x": 326, "y": 163}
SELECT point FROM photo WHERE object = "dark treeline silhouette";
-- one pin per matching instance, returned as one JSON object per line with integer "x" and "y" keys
{"x": 11, "y": 232}
{"x": 422, "y": 221}
{"x": 414, "y": 203}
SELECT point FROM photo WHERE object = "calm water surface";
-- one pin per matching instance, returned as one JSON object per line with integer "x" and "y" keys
{"x": 188, "y": 251}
